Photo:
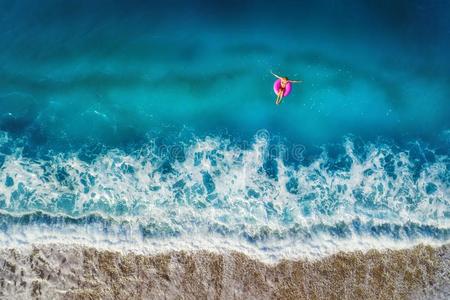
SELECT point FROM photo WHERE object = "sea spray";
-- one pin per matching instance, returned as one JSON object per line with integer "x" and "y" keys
{"x": 272, "y": 203}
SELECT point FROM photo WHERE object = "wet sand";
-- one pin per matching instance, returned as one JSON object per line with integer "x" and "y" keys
{"x": 76, "y": 272}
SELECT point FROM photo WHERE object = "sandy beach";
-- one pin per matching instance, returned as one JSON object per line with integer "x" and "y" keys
{"x": 75, "y": 272}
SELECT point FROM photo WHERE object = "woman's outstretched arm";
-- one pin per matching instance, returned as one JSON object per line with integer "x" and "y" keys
{"x": 279, "y": 77}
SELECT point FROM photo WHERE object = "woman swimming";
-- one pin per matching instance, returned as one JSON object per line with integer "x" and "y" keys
{"x": 282, "y": 87}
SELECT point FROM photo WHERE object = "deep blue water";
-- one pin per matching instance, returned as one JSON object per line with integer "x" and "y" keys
{"x": 161, "y": 117}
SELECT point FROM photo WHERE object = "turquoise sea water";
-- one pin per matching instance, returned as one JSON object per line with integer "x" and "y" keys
{"x": 138, "y": 123}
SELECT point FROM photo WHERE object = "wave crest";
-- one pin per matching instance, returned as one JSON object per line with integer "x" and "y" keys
{"x": 245, "y": 192}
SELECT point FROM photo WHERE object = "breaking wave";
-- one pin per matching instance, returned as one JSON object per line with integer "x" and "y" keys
{"x": 212, "y": 193}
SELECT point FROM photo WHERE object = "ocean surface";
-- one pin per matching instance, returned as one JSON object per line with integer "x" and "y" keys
{"x": 151, "y": 127}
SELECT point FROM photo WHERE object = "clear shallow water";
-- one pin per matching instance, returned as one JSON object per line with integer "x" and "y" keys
{"x": 129, "y": 125}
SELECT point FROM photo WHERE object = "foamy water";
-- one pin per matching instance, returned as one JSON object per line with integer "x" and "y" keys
{"x": 223, "y": 197}
{"x": 141, "y": 152}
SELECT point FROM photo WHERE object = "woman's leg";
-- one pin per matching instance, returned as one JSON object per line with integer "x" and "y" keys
{"x": 280, "y": 96}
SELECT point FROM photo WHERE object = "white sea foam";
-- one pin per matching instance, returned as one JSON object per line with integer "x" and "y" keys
{"x": 270, "y": 251}
{"x": 221, "y": 197}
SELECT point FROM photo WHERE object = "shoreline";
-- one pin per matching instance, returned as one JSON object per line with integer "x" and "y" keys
{"x": 77, "y": 272}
